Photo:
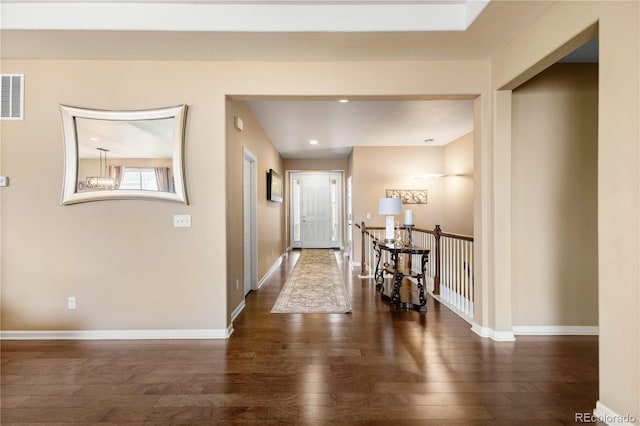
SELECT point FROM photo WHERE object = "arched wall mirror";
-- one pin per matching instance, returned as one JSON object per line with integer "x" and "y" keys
{"x": 112, "y": 155}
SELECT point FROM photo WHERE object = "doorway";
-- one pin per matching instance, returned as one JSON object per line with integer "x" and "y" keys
{"x": 316, "y": 209}
{"x": 249, "y": 221}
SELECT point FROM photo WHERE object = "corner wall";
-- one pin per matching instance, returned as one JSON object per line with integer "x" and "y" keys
{"x": 555, "y": 198}
{"x": 449, "y": 200}
{"x": 270, "y": 214}
{"x": 458, "y": 186}
{"x": 553, "y": 35}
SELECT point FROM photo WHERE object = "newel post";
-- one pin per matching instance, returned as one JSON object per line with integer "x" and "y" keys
{"x": 437, "y": 232}
{"x": 362, "y": 264}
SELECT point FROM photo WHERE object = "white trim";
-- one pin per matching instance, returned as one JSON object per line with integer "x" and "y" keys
{"x": 300, "y": 175}
{"x": 249, "y": 213}
{"x": 237, "y": 310}
{"x": 203, "y": 15}
{"x": 605, "y": 415}
{"x": 498, "y": 336}
{"x": 555, "y": 330}
{"x": 273, "y": 268}
{"x": 117, "y": 334}
{"x": 230, "y": 330}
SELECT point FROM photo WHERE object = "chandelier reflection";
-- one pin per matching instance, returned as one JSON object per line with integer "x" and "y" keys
{"x": 103, "y": 181}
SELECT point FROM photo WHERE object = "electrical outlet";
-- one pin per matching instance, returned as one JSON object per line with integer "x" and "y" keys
{"x": 182, "y": 221}
{"x": 71, "y": 302}
{"x": 368, "y": 216}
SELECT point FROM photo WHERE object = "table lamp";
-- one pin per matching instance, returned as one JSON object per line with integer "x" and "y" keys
{"x": 389, "y": 207}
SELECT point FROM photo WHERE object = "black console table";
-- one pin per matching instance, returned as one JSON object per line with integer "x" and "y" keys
{"x": 392, "y": 267}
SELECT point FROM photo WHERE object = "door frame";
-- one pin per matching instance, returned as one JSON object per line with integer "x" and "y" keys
{"x": 339, "y": 174}
{"x": 250, "y": 214}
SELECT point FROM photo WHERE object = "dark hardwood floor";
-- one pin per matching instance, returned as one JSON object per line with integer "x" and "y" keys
{"x": 374, "y": 366}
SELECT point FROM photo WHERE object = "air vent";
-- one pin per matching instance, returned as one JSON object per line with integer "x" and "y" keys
{"x": 11, "y": 104}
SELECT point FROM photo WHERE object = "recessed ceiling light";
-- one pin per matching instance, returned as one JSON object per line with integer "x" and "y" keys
{"x": 313, "y": 142}
{"x": 93, "y": 139}
{"x": 343, "y": 101}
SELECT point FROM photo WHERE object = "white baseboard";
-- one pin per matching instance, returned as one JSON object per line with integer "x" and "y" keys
{"x": 498, "y": 336}
{"x": 273, "y": 268}
{"x": 555, "y": 330}
{"x": 237, "y": 310}
{"x": 117, "y": 334}
{"x": 605, "y": 415}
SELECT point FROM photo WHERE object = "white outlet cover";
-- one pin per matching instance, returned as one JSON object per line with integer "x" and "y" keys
{"x": 182, "y": 221}
{"x": 71, "y": 303}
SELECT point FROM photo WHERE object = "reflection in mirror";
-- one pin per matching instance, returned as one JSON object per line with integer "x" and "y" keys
{"x": 123, "y": 154}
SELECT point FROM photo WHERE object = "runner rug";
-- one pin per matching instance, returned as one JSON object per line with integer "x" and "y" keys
{"x": 314, "y": 286}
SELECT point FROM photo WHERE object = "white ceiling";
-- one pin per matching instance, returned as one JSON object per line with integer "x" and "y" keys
{"x": 291, "y": 124}
{"x": 55, "y": 30}
{"x": 125, "y": 139}
{"x": 256, "y": 15}
{"x": 286, "y": 30}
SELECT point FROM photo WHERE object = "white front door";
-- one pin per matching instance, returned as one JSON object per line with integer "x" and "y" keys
{"x": 315, "y": 210}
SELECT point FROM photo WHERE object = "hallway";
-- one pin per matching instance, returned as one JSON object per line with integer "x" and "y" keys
{"x": 374, "y": 366}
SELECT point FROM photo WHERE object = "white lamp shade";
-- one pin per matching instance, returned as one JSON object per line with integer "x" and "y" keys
{"x": 390, "y": 206}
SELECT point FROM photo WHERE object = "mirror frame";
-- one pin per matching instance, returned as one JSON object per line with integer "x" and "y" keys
{"x": 70, "y": 194}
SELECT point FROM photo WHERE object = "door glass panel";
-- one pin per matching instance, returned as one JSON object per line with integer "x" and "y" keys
{"x": 334, "y": 210}
{"x": 295, "y": 206}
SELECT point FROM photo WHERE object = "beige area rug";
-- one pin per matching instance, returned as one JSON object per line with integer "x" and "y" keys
{"x": 314, "y": 286}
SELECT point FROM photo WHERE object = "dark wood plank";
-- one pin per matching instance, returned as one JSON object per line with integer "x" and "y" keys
{"x": 377, "y": 365}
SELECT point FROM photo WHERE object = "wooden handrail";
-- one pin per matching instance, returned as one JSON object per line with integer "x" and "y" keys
{"x": 443, "y": 234}
{"x": 437, "y": 233}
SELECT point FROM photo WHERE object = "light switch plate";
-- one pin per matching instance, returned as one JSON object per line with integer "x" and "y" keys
{"x": 182, "y": 221}
{"x": 368, "y": 216}
{"x": 4, "y": 180}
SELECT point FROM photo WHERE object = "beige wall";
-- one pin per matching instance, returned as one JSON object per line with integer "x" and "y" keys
{"x": 315, "y": 164}
{"x": 181, "y": 282}
{"x": 458, "y": 186}
{"x": 537, "y": 47}
{"x": 123, "y": 260}
{"x": 449, "y": 199}
{"x": 555, "y": 198}
{"x": 376, "y": 169}
{"x": 270, "y": 214}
